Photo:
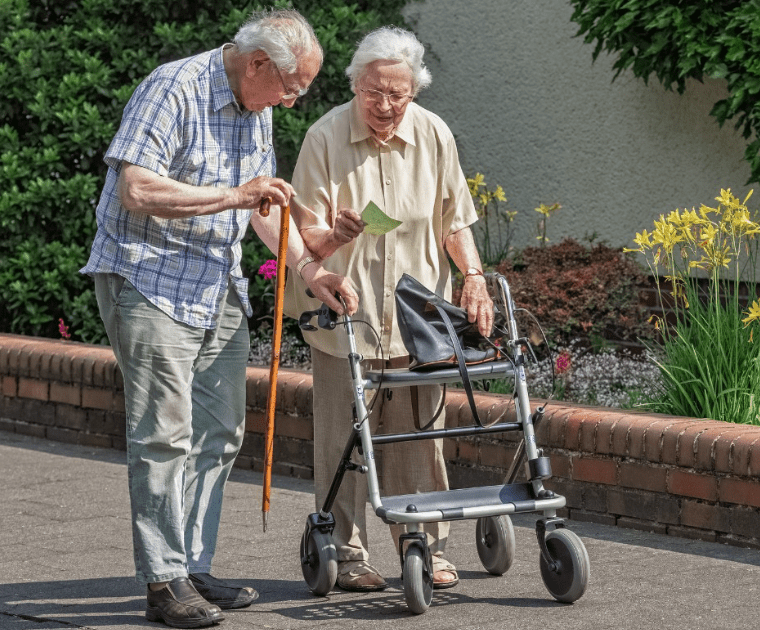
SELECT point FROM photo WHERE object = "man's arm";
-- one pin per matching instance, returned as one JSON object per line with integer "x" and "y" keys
{"x": 475, "y": 299}
{"x": 143, "y": 191}
{"x": 325, "y": 241}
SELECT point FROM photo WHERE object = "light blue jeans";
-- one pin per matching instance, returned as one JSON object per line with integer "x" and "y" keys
{"x": 184, "y": 391}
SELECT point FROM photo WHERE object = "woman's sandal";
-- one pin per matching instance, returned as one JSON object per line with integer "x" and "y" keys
{"x": 443, "y": 568}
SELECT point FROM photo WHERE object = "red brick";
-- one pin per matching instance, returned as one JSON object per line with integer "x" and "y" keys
{"x": 637, "y": 437}
{"x": 293, "y": 427}
{"x": 651, "y": 506}
{"x": 620, "y": 434}
{"x": 693, "y": 485}
{"x": 724, "y": 447}
{"x": 693, "y": 533}
{"x": 594, "y": 470}
{"x": 643, "y": 477}
{"x": 687, "y": 442}
{"x": 654, "y": 438}
{"x": 706, "y": 444}
{"x": 556, "y": 419}
{"x": 671, "y": 440}
{"x": 95, "y": 398}
{"x": 573, "y": 430}
{"x": 10, "y": 386}
{"x": 560, "y": 465}
{"x": 449, "y": 449}
{"x": 745, "y": 522}
{"x": 32, "y": 388}
{"x": 468, "y": 451}
{"x": 63, "y": 393}
{"x": 754, "y": 460}
{"x": 589, "y": 428}
{"x": 738, "y": 491}
{"x": 742, "y": 453}
{"x": 494, "y": 454}
{"x": 71, "y": 417}
{"x": 705, "y": 516}
{"x": 604, "y": 432}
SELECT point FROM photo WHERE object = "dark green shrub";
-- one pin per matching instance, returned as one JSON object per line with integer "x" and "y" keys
{"x": 67, "y": 69}
{"x": 676, "y": 40}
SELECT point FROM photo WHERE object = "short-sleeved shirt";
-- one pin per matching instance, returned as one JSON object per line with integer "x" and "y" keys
{"x": 416, "y": 179}
{"x": 183, "y": 122}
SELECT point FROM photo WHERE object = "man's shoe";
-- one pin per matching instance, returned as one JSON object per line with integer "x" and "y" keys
{"x": 179, "y": 605}
{"x": 222, "y": 594}
{"x": 359, "y": 576}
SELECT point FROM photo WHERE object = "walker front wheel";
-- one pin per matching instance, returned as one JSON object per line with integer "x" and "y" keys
{"x": 319, "y": 561}
{"x": 495, "y": 538}
{"x": 418, "y": 581}
{"x": 567, "y": 580}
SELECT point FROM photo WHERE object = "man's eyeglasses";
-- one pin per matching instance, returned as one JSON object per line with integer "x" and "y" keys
{"x": 395, "y": 99}
{"x": 293, "y": 93}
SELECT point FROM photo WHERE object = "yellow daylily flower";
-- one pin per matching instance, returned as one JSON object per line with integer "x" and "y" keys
{"x": 753, "y": 313}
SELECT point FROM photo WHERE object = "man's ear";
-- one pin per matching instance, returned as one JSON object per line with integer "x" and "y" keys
{"x": 257, "y": 59}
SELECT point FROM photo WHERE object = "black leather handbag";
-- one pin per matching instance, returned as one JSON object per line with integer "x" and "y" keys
{"x": 434, "y": 332}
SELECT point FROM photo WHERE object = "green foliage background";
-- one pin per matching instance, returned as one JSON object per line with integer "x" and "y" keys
{"x": 67, "y": 69}
{"x": 676, "y": 40}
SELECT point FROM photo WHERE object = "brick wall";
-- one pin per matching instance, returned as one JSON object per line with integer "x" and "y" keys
{"x": 673, "y": 475}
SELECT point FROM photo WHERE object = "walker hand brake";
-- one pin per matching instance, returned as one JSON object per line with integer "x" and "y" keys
{"x": 326, "y": 317}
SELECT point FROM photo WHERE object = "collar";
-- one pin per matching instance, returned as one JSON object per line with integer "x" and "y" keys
{"x": 360, "y": 130}
{"x": 221, "y": 92}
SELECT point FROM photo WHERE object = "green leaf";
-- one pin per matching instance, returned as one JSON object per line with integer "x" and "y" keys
{"x": 376, "y": 222}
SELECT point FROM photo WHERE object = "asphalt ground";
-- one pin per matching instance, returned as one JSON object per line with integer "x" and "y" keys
{"x": 66, "y": 562}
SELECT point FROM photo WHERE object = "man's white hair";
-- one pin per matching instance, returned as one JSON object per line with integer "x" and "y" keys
{"x": 283, "y": 35}
{"x": 390, "y": 43}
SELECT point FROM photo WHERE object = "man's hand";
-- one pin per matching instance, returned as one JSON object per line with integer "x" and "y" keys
{"x": 324, "y": 285}
{"x": 250, "y": 194}
{"x": 324, "y": 243}
{"x": 478, "y": 304}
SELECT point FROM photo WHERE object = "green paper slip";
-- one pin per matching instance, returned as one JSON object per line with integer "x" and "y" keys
{"x": 376, "y": 221}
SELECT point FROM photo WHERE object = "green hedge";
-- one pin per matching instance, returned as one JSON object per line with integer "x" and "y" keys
{"x": 676, "y": 40}
{"x": 67, "y": 69}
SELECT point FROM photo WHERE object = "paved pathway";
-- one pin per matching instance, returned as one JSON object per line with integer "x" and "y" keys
{"x": 66, "y": 562}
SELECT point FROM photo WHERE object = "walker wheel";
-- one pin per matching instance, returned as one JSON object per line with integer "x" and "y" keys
{"x": 495, "y": 538}
{"x": 418, "y": 581}
{"x": 319, "y": 561}
{"x": 568, "y": 581}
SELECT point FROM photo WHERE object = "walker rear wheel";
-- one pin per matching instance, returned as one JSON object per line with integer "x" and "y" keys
{"x": 418, "y": 581}
{"x": 319, "y": 561}
{"x": 568, "y": 581}
{"x": 495, "y": 538}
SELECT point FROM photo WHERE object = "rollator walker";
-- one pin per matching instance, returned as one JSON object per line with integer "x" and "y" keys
{"x": 563, "y": 559}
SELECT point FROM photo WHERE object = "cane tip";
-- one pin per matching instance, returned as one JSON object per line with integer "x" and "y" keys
{"x": 264, "y": 517}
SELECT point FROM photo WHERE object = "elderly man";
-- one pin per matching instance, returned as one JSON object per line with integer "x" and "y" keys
{"x": 382, "y": 147}
{"x": 192, "y": 158}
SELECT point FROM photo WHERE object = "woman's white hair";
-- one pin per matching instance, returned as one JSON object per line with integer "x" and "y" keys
{"x": 390, "y": 43}
{"x": 283, "y": 35}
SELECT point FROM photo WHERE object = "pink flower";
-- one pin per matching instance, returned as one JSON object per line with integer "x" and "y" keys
{"x": 269, "y": 269}
{"x": 63, "y": 329}
{"x": 563, "y": 363}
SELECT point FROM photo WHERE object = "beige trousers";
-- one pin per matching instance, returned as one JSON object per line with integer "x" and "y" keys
{"x": 407, "y": 467}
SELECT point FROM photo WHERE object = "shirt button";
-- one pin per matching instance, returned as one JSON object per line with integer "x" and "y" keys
{"x": 388, "y": 181}
{"x": 389, "y": 257}
{"x": 387, "y": 294}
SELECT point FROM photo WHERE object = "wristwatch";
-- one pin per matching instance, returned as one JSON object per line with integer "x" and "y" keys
{"x": 302, "y": 264}
{"x": 473, "y": 271}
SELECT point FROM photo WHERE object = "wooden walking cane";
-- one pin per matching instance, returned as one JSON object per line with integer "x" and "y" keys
{"x": 275, "y": 366}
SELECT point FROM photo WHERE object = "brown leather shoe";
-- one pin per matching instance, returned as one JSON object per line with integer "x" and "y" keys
{"x": 359, "y": 576}
{"x": 222, "y": 594}
{"x": 179, "y": 605}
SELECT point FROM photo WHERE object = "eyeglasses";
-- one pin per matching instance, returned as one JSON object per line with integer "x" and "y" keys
{"x": 395, "y": 99}
{"x": 293, "y": 94}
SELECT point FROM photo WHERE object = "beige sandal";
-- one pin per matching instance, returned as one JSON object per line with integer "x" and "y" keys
{"x": 359, "y": 576}
{"x": 441, "y": 570}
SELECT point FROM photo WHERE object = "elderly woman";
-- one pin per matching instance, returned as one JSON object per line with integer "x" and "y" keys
{"x": 382, "y": 147}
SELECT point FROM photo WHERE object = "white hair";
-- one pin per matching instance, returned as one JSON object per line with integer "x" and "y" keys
{"x": 390, "y": 43}
{"x": 283, "y": 35}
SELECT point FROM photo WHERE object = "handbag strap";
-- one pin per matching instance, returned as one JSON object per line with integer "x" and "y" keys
{"x": 414, "y": 392}
{"x": 460, "y": 362}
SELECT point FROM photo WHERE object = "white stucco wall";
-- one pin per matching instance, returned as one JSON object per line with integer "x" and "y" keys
{"x": 531, "y": 112}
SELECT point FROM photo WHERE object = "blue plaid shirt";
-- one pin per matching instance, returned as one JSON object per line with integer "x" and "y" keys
{"x": 183, "y": 122}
